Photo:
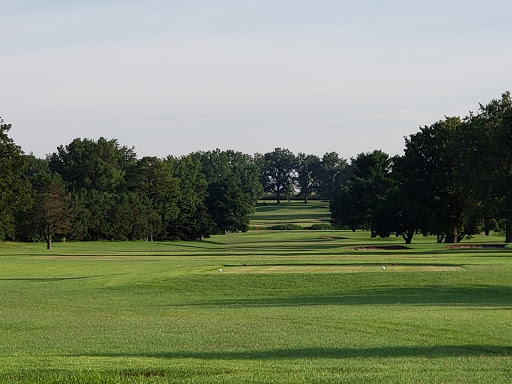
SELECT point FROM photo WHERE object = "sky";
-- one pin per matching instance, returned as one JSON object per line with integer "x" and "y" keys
{"x": 172, "y": 77}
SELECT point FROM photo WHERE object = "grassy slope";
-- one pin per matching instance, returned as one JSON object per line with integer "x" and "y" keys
{"x": 161, "y": 312}
{"x": 269, "y": 213}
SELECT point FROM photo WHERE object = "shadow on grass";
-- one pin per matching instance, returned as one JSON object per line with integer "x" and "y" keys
{"x": 354, "y": 264}
{"x": 49, "y": 279}
{"x": 428, "y": 295}
{"x": 331, "y": 353}
{"x": 290, "y": 218}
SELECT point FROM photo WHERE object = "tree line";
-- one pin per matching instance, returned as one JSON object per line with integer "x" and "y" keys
{"x": 453, "y": 181}
{"x": 100, "y": 190}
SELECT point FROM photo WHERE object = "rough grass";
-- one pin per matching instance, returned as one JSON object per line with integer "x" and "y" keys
{"x": 135, "y": 312}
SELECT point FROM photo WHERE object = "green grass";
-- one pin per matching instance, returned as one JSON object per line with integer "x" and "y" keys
{"x": 308, "y": 306}
{"x": 268, "y": 213}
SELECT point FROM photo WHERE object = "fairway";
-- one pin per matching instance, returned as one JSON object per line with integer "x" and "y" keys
{"x": 268, "y": 213}
{"x": 288, "y": 307}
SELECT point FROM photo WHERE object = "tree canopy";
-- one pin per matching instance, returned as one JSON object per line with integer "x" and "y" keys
{"x": 453, "y": 180}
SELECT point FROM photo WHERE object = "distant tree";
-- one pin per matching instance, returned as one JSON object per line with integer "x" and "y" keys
{"x": 193, "y": 221}
{"x": 131, "y": 215}
{"x": 364, "y": 203}
{"x": 246, "y": 170}
{"x": 307, "y": 168}
{"x": 228, "y": 207}
{"x": 217, "y": 166}
{"x": 279, "y": 171}
{"x": 36, "y": 165}
{"x": 95, "y": 172}
{"x": 93, "y": 165}
{"x": 14, "y": 189}
{"x": 155, "y": 183}
{"x": 233, "y": 188}
{"x": 344, "y": 210}
{"x": 331, "y": 175}
{"x": 51, "y": 213}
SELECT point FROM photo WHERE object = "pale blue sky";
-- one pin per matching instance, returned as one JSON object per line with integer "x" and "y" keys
{"x": 314, "y": 76}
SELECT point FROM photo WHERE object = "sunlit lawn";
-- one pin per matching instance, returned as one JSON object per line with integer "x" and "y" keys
{"x": 293, "y": 306}
{"x": 269, "y": 213}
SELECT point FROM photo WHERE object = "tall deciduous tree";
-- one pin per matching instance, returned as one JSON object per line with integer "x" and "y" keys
{"x": 228, "y": 207}
{"x": 430, "y": 161}
{"x": 193, "y": 221}
{"x": 51, "y": 213}
{"x": 307, "y": 169}
{"x": 218, "y": 166}
{"x": 93, "y": 165}
{"x": 364, "y": 203}
{"x": 332, "y": 175}
{"x": 485, "y": 164}
{"x": 154, "y": 181}
{"x": 279, "y": 171}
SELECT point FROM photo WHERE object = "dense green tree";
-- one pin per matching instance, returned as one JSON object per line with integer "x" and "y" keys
{"x": 228, "y": 207}
{"x": 14, "y": 189}
{"x": 332, "y": 175}
{"x": 154, "y": 181}
{"x": 429, "y": 165}
{"x": 130, "y": 216}
{"x": 193, "y": 221}
{"x": 307, "y": 169}
{"x": 279, "y": 172}
{"x": 93, "y": 165}
{"x": 218, "y": 166}
{"x": 485, "y": 164}
{"x": 99, "y": 207}
{"x": 36, "y": 165}
{"x": 364, "y": 204}
{"x": 247, "y": 172}
{"x": 233, "y": 188}
{"x": 409, "y": 198}
{"x": 344, "y": 210}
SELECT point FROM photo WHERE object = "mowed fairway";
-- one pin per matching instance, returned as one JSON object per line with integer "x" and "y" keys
{"x": 288, "y": 307}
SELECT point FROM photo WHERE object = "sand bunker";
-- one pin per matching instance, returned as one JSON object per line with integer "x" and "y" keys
{"x": 475, "y": 246}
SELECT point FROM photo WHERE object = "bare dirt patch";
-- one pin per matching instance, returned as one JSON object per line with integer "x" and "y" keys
{"x": 476, "y": 246}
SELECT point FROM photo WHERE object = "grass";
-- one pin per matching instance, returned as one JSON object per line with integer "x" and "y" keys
{"x": 268, "y": 213}
{"x": 308, "y": 306}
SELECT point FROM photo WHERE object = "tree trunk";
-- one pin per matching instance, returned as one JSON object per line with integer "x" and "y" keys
{"x": 48, "y": 236}
{"x": 278, "y": 196}
{"x": 408, "y": 235}
{"x": 451, "y": 236}
{"x": 508, "y": 233}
